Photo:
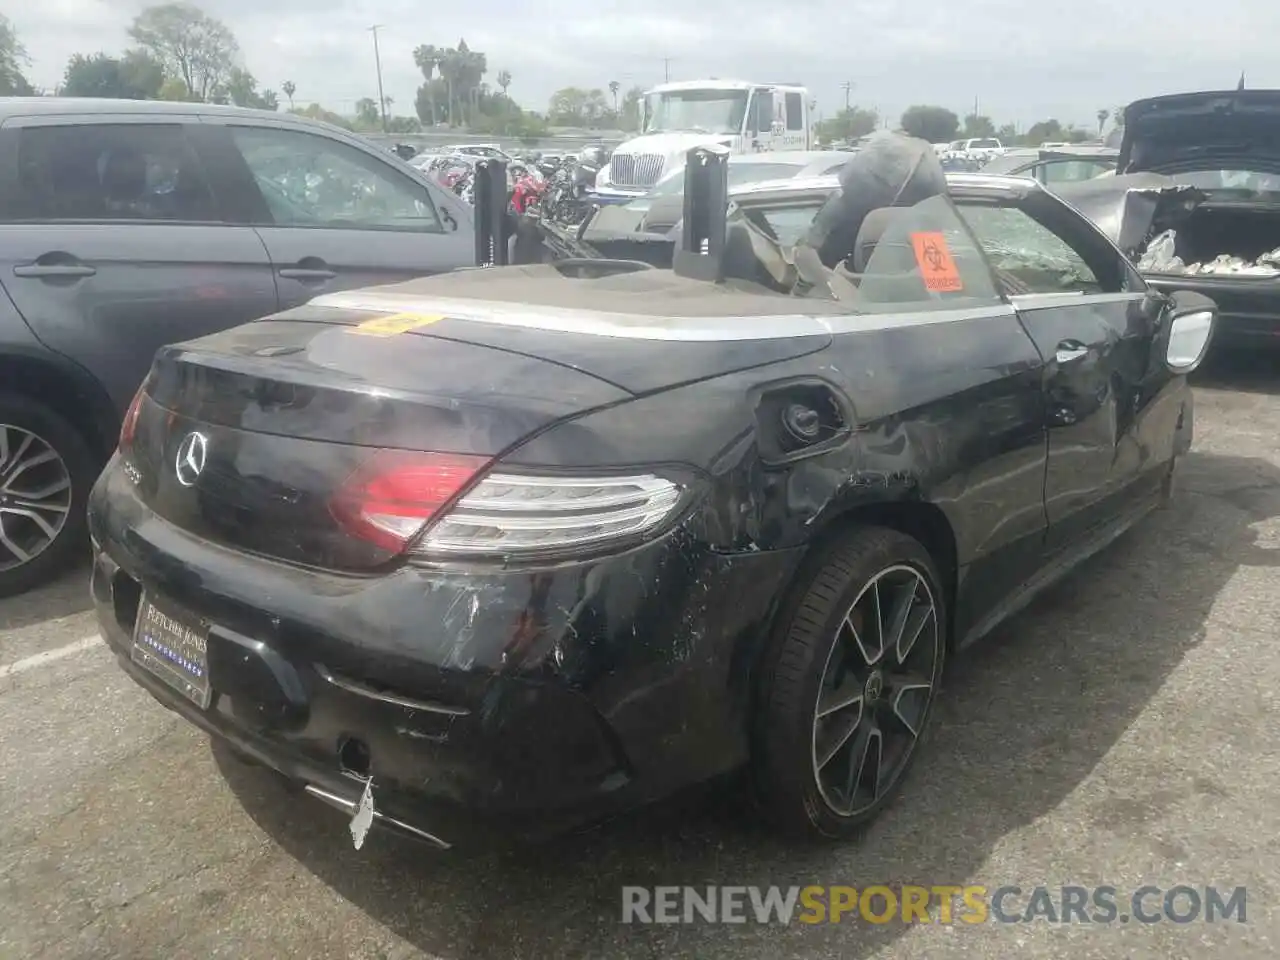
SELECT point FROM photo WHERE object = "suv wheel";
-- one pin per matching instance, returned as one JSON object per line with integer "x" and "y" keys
{"x": 848, "y": 685}
{"x": 46, "y": 471}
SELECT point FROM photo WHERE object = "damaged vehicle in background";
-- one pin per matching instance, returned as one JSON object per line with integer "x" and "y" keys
{"x": 1196, "y": 203}
{"x": 508, "y": 551}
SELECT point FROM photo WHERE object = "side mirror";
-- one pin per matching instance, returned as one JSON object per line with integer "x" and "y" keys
{"x": 1192, "y": 319}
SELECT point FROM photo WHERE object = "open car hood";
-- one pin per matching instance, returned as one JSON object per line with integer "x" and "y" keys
{"x": 1237, "y": 129}
{"x": 1131, "y": 209}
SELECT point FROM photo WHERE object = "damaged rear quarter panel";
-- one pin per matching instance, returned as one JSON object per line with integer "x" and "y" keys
{"x": 947, "y": 421}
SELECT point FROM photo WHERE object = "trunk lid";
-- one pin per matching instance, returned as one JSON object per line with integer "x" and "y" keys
{"x": 284, "y": 413}
{"x": 1229, "y": 130}
{"x": 254, "y": 437}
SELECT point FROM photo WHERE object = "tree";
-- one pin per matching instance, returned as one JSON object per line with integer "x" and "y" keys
{"x": 614, "y": 87}
{"x": 504, "y": 80}
{"x": 629, "y": 118}
{"x": 575, "y": 107}
{"x": 1045, "y": 131}
{"x": 1103, "y": 114}
{"x": 135, "y": 76}
{"x": 367, "y": 115}
{"x": 849, "y": 124}
{"x": 932, "y": 123}
{"x": 428, "y": 59}
{"x": 192, "y": 45}
{"x": 289, "y": 88}
{"x": 317, "y": 112}
{"x": 242, "y": 89}
{"x": 978, "y": 125}
{"x": 13, "y": 57}
{"x": 176, "y": 90}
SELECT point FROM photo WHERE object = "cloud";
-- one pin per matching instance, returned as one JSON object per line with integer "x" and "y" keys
{"x": 1020, "y": 62}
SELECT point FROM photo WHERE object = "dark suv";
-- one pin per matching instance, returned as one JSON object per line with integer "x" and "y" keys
{"x": 127, "y": 225}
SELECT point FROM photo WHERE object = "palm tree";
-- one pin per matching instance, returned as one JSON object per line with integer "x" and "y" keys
{"x": 614, "y": 87}
{"x": 428, "y": 58}
{"x": 474, "y": 66}
{"x": 289, "y": 88}
{"x": 1102, "y": 119}
{"x": 504, "y": 80}
{"x": 450, "y": 66}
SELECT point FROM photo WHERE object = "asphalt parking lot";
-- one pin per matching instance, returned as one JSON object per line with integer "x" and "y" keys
{"x": 1121, "y": 731}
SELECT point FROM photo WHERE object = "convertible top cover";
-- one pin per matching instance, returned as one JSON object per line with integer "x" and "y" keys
{"x": 889, "y": 171}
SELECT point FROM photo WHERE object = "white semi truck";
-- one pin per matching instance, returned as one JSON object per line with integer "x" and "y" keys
{"x": 676, "y": 117}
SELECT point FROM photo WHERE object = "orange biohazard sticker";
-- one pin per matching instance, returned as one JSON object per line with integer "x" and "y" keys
{"x": 936, "y": 264}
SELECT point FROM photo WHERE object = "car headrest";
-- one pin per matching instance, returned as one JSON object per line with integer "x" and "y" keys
{"x": 874, "y": 226}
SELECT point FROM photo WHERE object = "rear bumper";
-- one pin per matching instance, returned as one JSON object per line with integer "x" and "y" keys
{"x": 484, "y": 706}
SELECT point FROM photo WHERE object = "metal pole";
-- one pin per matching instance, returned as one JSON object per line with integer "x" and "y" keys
{"x": 666, "y": 69}
{"x": 377, "y": 59}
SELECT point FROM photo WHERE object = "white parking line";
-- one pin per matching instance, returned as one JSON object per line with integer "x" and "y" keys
{"x": 49, "y": 656}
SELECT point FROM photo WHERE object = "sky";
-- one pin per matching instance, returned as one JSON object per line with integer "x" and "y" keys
{"x": 1019, "y": 62}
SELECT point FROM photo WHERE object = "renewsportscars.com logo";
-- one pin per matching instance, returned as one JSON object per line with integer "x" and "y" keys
{"x": 943, "y": 903}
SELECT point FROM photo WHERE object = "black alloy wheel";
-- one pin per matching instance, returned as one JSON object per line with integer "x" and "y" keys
{"x": 848, "y": 684}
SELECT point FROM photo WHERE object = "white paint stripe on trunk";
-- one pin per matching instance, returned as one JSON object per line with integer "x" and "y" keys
{"x": 49, "y": 656}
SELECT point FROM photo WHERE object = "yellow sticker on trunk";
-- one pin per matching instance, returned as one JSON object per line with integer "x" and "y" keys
{"x": 395, "y": 323}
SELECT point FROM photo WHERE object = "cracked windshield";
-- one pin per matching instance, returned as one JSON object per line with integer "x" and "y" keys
{"x": 725, "y": 483}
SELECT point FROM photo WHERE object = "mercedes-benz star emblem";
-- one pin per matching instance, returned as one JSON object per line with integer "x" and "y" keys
{"x": 189, "y": 463}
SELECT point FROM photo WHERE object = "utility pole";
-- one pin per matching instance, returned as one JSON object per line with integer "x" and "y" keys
{"x": 847, "y": 87}
{"x": 377, "y": 60}
{"x": 666, "y": 69}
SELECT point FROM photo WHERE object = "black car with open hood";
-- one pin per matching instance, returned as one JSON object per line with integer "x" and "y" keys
{"x": 516, "y": 548}
{"x": 1198, "y": 185}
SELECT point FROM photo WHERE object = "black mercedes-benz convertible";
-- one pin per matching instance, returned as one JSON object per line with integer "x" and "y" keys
{"x": 506, "y": 551}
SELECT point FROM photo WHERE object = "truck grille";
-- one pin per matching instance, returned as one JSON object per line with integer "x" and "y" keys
{"x": 636, "y": 170}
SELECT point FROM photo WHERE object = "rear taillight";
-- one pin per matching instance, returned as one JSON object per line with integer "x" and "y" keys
{"x": 395, "y": 494}
{"x": 409, "y": 502}
{"x": 518, "y": 516}
{"x": 129, "y": 426}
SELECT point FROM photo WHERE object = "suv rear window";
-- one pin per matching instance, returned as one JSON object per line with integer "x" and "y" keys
{"x": 126, "y": 171}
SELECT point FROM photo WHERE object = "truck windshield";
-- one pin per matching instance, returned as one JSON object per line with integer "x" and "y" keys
{"x": 695, "y": 111}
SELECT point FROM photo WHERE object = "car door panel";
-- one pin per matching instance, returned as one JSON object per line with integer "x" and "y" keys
{"x": 1087, "y": 313}
{"x": 110, "y": 281}
{"x": 309, "y": 262}
{"x": 1095, "y": 361}
{"x": 335, "y": 215}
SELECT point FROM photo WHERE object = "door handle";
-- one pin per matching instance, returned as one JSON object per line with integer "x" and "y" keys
{"x": 47, "y": 271}
{"x": 1069, "y": 350}
{"x": 307, "y": 274}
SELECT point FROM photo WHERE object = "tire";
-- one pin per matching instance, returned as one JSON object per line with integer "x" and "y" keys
{"x": 824, "y": 644}
{"x": 21, "y": 417}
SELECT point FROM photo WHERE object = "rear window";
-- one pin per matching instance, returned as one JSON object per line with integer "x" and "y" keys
{"x": 126, "y": 171}
{"x": 984, "y": 144}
